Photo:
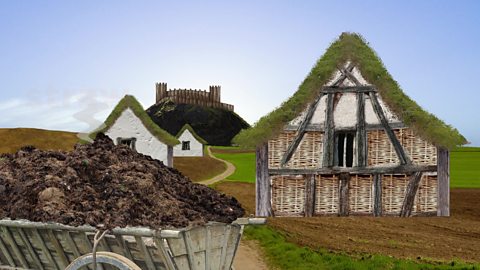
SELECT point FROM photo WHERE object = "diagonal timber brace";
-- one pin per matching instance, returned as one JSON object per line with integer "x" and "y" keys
{"x": 402, "y": 156}
{"x": 300, "y": 132}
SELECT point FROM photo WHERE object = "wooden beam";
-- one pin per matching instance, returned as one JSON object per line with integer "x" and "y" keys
{"x": 349, "y": 75}
{"x": 344, "y": 207}
{"x": 343, "y": 76}
{"x": 309, "y": 195}
{"x": 402, "y": 156}
{"x": 170, "y": 156}
{"x": 400, "y": 169}
{"x": 410, "y": 194}
{"x": 320, "y": 127}
{"x": 348, "y": 89}
{"x": 262, "y": 183}
{"x": 301, "y": 131}
{"x": 377, "y": 195}
{"x": 443, "y": 178}
{"x": 361, "y": 132}
{"x": 328, "y": 146}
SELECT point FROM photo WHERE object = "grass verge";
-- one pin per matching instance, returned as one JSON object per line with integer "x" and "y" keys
{"x": 284, "y": 255}
{"x": 244, "y": 162}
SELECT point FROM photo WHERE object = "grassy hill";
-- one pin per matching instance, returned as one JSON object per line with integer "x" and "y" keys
{"x": 12, "y": 139}
{"x": 216, "y": 126}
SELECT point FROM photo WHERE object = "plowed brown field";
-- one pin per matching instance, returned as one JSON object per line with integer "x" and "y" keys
{"x": 437, "y": 238}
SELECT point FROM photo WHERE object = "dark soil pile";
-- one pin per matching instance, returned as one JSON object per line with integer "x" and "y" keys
{"x": 101, "y": 183}
{"x": 216, "y": 126}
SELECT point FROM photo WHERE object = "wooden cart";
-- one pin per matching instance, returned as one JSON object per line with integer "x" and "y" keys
{"x": 33, "y": 245}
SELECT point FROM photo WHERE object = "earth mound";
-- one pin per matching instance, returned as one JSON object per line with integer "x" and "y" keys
{"x": 104, "y": 184}
{"x": 216, "y": 126}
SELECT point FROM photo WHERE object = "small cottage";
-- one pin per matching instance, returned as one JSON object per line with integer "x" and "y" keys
{"x": 191, "y": 145}
{"x": 129, "y": 124}
{"x": 350, "y": 142}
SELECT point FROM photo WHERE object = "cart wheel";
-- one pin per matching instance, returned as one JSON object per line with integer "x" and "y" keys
{"x": 109, "y": 258}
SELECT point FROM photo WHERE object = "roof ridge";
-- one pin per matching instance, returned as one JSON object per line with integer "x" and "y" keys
{"x": 192, "y": 131}
{"x": 353, "y": 47}
{"x": 129, "y": 101}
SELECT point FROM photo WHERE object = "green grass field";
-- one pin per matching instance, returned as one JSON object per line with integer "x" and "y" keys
{"x": 284, "y": 255}
{"x": 244, "y": 162}
{"x": 464, "y": 167}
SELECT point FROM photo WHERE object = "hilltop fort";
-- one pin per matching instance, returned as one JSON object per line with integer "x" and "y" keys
{"x": 192, "y": 96}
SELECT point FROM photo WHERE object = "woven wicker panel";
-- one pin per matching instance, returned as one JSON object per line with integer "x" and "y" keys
{"x": 277, "y": 148}
{"x": 326, "y": 192}
{"x": 288, "y": 195}
{"x": 307, "y": 156}
{"x": 380, "y": 149}
{"x": 394, "y": 187}
{"x": 426, "y": 200}
{"x": 420, "y": 151}
{"x": 361, "y": 193}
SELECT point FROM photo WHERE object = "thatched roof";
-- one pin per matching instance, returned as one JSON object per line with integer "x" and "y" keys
{"x": 131, "y": 102}
{"x": 352, "y": 47}
{"x": 195, "y": 135}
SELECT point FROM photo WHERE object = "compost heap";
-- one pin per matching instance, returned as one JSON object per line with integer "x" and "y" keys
{"x": 105, "y": 185}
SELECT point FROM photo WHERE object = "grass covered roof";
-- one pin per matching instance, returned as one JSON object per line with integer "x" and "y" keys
{"x": 195, "y": 135}
{"x": 352, "y": 47}
{"x": 131, "y": 102}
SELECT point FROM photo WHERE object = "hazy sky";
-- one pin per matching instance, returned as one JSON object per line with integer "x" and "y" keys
{"x": 64, "y": 58}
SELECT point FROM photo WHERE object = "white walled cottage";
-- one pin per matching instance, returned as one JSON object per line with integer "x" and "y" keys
{"x": 129, "y": 124}
{"x": 191, "y": 145}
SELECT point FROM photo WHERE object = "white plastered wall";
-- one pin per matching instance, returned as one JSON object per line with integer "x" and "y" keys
{"x": 196, "y": 147}
{"x": 128, "y": 125}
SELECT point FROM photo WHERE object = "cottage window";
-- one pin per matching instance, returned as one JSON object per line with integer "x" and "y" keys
{"x": 344, "y": 149}
{"x": 130, "y": 142}
{"x": 186, "y": 145}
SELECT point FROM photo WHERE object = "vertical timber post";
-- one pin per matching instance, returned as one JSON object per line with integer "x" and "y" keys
{"x": 309, "y": 195}
{"x": 443, "y": 178}
{"x": 263, "y": 206}
{"x": 328, "y": 147}
{"x": 361, "y": 132}
{"x": 343, "y": 209}
{"x": 377, "y": 195}
{"x": 170, "y": 156}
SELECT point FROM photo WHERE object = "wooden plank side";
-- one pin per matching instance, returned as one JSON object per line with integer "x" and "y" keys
{"x": 58, "y": 249}
{"x": 443, "y": 178}
{"x": 377, "y": 195}
{"x": 402, "y": 156}
{"x": 31, "y": 250}
{"x": 309, "y": 195}
{"x": 361, "y": 131}
{"x": 300, "y": 132}
{"x": 410, "y": 194}
{"x": 262, "y": 184}
{"x": 15, "y": 247}
{"x": 146, "y": 254}
{"x": 45, "y": 250}
{"x": 328, "y": 147}
{"x": 343, "y": 209}
{"x": 5, "y": 252}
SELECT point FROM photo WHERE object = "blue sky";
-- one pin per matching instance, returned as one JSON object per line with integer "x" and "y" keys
{"x": 63, "y": 62}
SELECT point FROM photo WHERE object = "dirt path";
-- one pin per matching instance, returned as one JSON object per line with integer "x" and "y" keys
{"x": 249, "y": 257}
{"x": 229, "y": 171}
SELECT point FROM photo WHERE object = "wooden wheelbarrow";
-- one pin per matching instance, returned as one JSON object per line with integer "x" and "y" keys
{"x": 34, "y": 245}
